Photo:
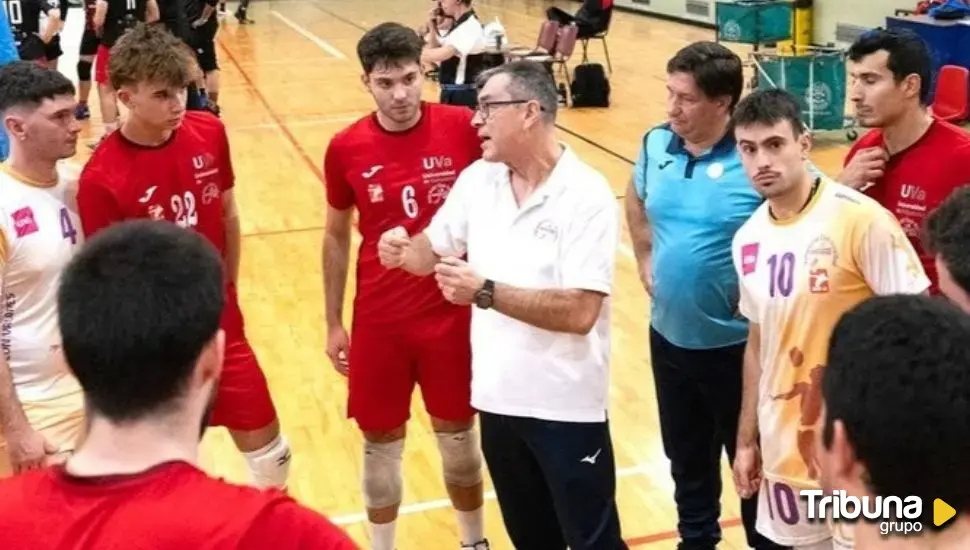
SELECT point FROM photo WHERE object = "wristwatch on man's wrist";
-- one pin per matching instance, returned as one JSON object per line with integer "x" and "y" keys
{"x": 484, "y": 295}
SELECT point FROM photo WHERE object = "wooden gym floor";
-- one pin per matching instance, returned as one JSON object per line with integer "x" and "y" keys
{"x": 290, "y": 82}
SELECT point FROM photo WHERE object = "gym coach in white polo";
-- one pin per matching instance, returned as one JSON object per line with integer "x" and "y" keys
{"x": 540, "y": 230}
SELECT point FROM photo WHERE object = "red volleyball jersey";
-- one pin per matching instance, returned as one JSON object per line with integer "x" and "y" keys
{"x": 919, "y": 178}
{"x": 397, "y": 178}
{"x": 173, "y": 506}
{"x": 181, "y": 181}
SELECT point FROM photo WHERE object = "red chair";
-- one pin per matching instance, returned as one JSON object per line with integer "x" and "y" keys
{"x": 951, "y": 101}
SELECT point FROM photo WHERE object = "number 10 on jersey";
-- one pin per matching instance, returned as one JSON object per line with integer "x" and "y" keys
{"x": 782, "y": 274}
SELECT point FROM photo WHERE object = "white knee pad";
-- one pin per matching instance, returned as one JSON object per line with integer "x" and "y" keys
{"x": 270, "y": 466}
{"x": 461, "y": 457}
{"x": 382, "y": 473}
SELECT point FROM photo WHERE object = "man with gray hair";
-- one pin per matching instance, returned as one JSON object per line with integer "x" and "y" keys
{"x": 540, "y": 229}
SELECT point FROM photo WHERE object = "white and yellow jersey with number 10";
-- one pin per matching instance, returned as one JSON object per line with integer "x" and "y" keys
{"x": 797, "y": 277}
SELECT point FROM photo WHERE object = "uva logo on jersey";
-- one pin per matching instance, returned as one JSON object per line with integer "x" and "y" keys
{"x": 24, "y": 222}
{"x": 430, "y": 163}
{"x": 749, "y": 258}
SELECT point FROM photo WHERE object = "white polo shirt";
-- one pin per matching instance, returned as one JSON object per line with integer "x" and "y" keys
{"x": 564, "y": 236}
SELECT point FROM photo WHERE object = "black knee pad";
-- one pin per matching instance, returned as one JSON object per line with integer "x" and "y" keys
{"x": 84, "y": 71}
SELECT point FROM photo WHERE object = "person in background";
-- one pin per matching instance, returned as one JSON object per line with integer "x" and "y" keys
{"x": 592, "y": 18}
{"x": 457, "y": 53}
{"x": 909, "y": 161}
{"x": 8, "y": 54}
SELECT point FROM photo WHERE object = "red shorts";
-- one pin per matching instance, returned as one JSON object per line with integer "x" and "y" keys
{"x": 386, "y": 362}
{"x": 243, "y": 402}
{"x": 101, "y": 64}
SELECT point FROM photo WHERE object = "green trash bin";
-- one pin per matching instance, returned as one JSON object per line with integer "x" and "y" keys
{"x": 816, "y": 79}
{"x": 753, "y": 21}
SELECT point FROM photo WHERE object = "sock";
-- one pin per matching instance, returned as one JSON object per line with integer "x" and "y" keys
{"x": 471, "y": 526}
{"x": 382, "y": 535}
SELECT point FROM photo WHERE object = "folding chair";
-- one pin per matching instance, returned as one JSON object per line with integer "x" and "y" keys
{"x": 601, "y": 36}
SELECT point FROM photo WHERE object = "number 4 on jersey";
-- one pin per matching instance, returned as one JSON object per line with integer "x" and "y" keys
{"x": 67, "y": 227}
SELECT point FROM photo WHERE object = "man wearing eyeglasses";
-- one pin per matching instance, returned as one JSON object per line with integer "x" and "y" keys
{"x": 540, "y": 229}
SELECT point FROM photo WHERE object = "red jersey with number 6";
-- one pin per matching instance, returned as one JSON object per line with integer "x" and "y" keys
{"x": 397, "y": 179}
{"x": 919, "y": 178}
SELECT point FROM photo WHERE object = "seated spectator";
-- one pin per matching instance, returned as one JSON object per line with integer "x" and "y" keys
{"x": 592, "y": 18}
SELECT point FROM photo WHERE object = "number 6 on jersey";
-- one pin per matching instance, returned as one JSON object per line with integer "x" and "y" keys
{"x": 410, "y": 203}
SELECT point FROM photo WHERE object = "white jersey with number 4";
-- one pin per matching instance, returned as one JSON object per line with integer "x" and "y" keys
{"x": 797, "y": 277}
{"x": 39, "y": 233}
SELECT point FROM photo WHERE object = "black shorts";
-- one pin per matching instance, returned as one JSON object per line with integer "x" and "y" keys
{"x": 203, "y": 41}
{"x": 89, "y": 43}
{"x": 52, "y": 50}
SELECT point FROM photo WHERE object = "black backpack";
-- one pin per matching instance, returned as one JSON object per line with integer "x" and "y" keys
{"x": 590, "y": 87}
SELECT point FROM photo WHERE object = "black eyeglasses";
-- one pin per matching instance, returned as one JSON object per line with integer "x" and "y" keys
{"x": 485, "y": 108}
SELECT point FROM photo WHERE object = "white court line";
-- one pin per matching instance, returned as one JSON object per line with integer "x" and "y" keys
{"x": 418, "y": 507}
{"x": 324, "y": 45}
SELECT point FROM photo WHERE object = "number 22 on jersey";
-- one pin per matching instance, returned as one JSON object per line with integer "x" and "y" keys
{"x": 183, "y": 207}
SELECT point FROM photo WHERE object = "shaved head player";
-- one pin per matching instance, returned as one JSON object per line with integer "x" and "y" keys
{"x": 168, "y": 164}
{"x": 396, "y": 166}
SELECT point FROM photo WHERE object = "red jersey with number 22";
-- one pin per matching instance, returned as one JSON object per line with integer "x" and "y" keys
{"x": 398, "y": 179}
{"x": 919, "y": 178}
{"x": 181, "y": 181}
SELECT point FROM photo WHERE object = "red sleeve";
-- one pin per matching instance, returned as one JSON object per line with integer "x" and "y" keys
{"x": 97, "y": 206}
{"x": 289, "y": 526}
{"x": 340, "y": 194}
{"x": 228, "y": 174}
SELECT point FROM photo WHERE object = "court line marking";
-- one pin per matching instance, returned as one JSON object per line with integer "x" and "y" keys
{"x": 418, "y": 507}
{"x": 316, "y": 170}
{"x": 323, "y": 44}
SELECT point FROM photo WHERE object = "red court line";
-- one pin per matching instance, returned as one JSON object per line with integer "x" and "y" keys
{"x": 272, "y": 113}
{"x": 667, "y": 535}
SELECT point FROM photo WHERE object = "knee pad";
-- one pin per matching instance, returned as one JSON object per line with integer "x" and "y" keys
{"x": 270, "y": 466}
{"x": 382, "y": 473}
{"x": 84, "y": 71}
{"x": 461, "y": 457}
